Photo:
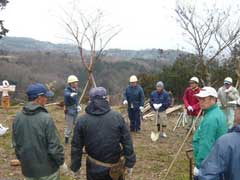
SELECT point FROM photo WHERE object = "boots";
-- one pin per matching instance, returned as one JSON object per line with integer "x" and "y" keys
{"x": 66, "y": 140}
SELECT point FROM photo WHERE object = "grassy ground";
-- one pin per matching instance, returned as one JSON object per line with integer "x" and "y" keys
{"x": 153, "y": 158}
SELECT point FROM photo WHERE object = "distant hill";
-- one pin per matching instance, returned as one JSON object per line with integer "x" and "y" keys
{"x": 22, "y": 44}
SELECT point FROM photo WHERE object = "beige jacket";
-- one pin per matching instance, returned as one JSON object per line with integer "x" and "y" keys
{"x": 227, "y": 95}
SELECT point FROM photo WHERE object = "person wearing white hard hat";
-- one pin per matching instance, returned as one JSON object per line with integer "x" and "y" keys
{"x": 223, "y": 161}
{"x": 191, "y": 102}
{"x": 160, "y": 101}
{"x": 134, "y": 98}
{"x": 72, "y": 107}
{"x": 212, "y": 126}
{"x": 226, "y": 94}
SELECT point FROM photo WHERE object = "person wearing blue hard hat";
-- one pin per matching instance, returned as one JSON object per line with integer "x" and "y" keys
{"x": 35, "y": 137}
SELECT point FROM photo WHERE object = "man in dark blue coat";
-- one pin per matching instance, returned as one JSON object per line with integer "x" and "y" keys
{"x": 160, "y": 101}
{"x": 134, "y": 97}
{"x": 223, "y": 163}
{"x": 106, "y": 138}
{"x": 72, "y": 107}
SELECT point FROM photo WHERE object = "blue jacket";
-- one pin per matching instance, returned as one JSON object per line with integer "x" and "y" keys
{"x": 134, "y": 96}
{"x": 160, "y": 98}
{"x": 71, "y": 103}
{"x": 223, "y": 163}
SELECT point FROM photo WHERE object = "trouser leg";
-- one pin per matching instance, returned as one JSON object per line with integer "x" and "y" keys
{"x": 230, "y": 116}
{"x": 69, "y": 125}
{"x": 132, "y": 119}
{"x": 137, "y": 120}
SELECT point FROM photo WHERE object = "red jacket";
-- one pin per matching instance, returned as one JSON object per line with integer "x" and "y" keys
{"x": 190, "y": 100}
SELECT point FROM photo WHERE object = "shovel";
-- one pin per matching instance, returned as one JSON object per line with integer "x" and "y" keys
{"x": 155, "y": 135}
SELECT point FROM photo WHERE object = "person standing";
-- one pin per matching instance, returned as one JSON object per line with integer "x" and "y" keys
{"x": 35, "y": 137}
{"x": 191, "y": 102}
{"x": 134, "y": 98}
{"x": 212, "y": 126}
{"x": 160, "y": 101}
{"x": 72, "y": 107}
{"x": 223, "y": 161}
{"x": 226, "y": 94}
{"x": 106, "y": 138}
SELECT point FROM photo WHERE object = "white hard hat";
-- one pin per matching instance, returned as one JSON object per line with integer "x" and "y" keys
{"x": 228, "y": 80}
{"x": 72, "y": 79}
{"x": 133, "y": 79}
{"x": 206, "y": 92}
{"x": 195, "y": 79}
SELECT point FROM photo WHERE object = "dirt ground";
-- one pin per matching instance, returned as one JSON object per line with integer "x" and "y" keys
{"x": 153, "y": 158}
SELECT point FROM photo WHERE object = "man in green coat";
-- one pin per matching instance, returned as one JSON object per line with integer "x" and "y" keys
{"x": 212, "y": 126}
{"x": 35, "y": 138}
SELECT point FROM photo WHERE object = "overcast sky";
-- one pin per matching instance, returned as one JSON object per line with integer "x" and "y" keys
{"x": 144, "y": 23}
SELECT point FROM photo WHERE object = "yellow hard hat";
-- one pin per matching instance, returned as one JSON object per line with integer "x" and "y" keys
{"x": 72, "y": 79}
{"x": 133, "y": 79}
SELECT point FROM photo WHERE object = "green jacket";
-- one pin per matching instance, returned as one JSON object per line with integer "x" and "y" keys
{"x": 212, "y": 126}
{"x": 36, "y": 142}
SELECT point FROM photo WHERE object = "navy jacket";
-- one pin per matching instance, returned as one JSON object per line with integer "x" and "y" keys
{"x": 105, "y": 136}
{"x": 160, "y": 98}
{"x": 71, "y": 103}
{"x": 223, "y": 163}
{"x": 134, "y": 96}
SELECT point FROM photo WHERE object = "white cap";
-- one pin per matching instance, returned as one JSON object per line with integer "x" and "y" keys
{"x": 206, "y": 92}
{"x": 133, "y": 79}
{"x": 228, "y": 80}
{"x": 195, "y": 79}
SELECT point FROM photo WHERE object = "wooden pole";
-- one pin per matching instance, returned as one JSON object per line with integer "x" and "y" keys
{"x": 180, "y": 149}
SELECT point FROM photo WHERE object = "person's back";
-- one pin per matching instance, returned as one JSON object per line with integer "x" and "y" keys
{"x": 106, "y": 138}
{"x": 224, "y": 160}
{"x": 36, "y": 141}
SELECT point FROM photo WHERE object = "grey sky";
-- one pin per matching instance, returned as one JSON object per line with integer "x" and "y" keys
{"x": 144, "y": 23}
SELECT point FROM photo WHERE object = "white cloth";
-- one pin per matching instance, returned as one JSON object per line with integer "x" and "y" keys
{"x": 125, "y": 102}
{"x": 157, "y": 106}
{"x": 141, "y": 108}
{"x": 3, "y": 130}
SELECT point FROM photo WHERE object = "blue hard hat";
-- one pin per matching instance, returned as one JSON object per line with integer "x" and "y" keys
{"x": 36, "y": 90}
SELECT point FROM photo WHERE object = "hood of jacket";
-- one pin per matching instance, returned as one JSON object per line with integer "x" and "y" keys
{"x": 98, "y": 107}
{"x": 32, "y": 108}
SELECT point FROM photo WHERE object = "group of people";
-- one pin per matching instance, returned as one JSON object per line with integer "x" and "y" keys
{"x": 103, "y": 135}
{"x": 215, "y": 152}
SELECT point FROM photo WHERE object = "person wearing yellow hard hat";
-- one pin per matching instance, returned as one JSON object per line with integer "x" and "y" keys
{"x": 226, "y": 94}
{"x": 72, "y": 107}
{"x": 134, "y": 98}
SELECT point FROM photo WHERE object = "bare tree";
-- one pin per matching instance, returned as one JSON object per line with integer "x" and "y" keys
{"x": 211, "y": 32}
{"x": 89, "y": 32}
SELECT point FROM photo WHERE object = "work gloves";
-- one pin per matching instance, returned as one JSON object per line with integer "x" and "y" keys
{"x": 125, "y": 102}
{"x": 157, "y": 106}
{"x": 64, "y": 168}
{"x": 196, "y": 171}
{"x": 73, "y": 94}
{"x": 79, "y": 108}
{"x": 190, "y": 108}
{"x": 141, "y": 108}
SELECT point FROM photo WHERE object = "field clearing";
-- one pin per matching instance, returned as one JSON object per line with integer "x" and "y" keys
{"x": 153, "y": 158}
